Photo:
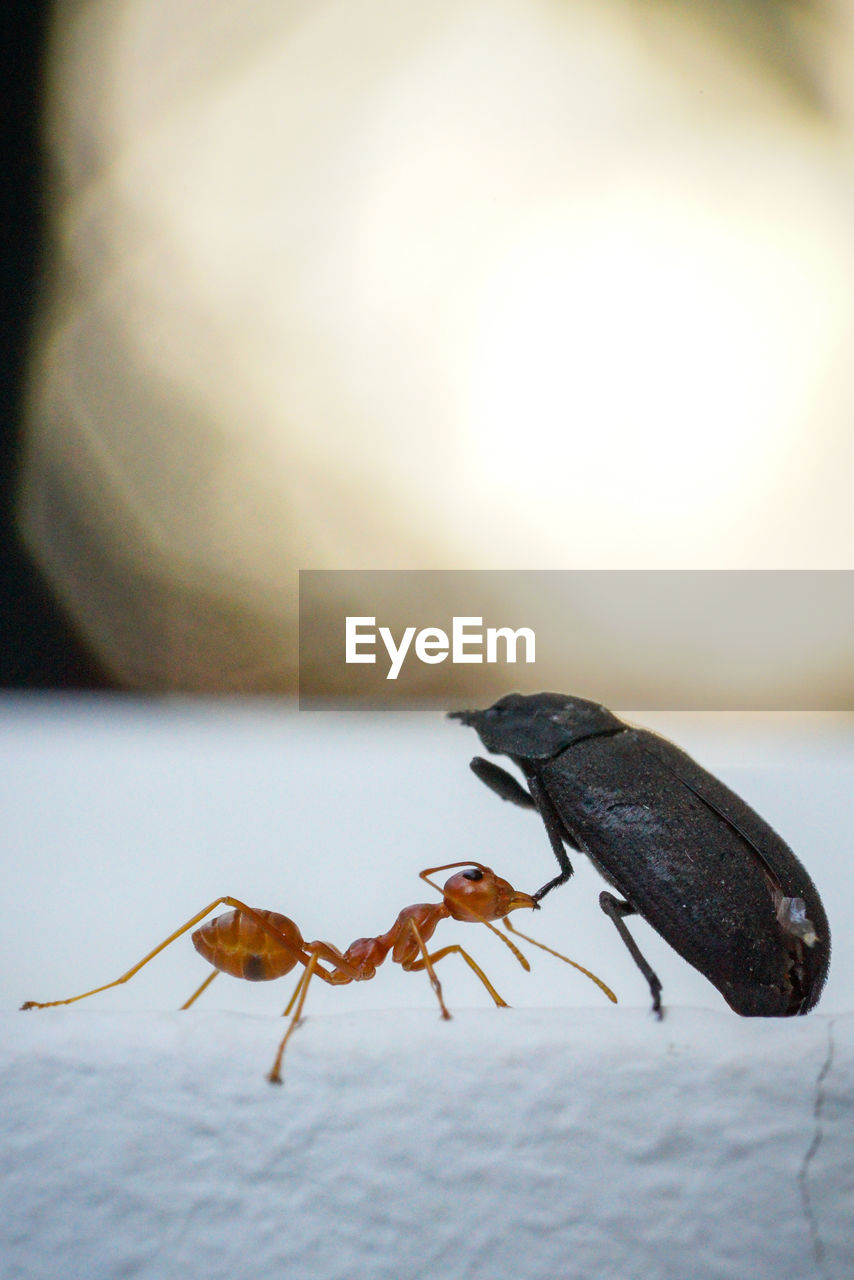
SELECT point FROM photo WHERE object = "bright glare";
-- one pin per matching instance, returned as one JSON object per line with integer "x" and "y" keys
{"x": 354, "y": 284}
{"x": 650, "y": 338}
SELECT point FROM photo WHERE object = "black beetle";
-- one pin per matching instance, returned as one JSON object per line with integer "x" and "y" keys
{"x": 681, "y": 849}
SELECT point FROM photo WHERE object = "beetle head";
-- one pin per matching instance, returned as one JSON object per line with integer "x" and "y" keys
{"x": 537, "y": 726}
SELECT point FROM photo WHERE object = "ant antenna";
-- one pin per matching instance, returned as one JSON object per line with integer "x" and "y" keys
{"x": 580, "y": 967}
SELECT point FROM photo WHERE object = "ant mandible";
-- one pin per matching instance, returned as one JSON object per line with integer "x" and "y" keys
{"x": 259, "y": 945}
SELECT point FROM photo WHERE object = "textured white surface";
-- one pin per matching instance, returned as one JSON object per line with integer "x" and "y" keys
{"x": 551, "y": 1141}
{"x": 529, "y": 1143}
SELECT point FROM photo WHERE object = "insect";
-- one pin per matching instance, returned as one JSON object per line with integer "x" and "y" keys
{"x": 680, "y": 848}
{"x": 261, "y": 945}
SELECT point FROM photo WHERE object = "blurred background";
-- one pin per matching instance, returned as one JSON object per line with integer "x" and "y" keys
{"x": 362, "y": 284}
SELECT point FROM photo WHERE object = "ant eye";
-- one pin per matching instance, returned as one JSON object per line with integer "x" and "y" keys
{"x": 473, "y": 875}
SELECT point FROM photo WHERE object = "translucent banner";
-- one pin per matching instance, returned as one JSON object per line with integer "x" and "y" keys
{"x": 692, "y": 640}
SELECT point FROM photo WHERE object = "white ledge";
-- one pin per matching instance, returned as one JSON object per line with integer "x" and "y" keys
{"x": 546, "y": 1143}
{"x": 522, "y": 1143}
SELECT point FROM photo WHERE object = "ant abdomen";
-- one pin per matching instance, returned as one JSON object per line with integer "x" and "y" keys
{"x": 235, "y": 944}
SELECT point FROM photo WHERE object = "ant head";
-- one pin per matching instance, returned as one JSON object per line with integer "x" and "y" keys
{"x": 479, "y": 894}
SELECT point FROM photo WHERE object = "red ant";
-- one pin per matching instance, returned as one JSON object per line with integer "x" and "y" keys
{"x": 259, "y": 945}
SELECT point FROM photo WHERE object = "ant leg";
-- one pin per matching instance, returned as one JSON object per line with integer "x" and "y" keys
{"x": 426, "y": 962}
{"x": 289, "y": 1006}
{"x": 343, "y": 971}
{"x": 207, "y": 982}
{"x": 200, "y": 915}
{"x": 446, "y": 951}
{"x": 615, "y": 909}
{"x": 275, "y": 1076}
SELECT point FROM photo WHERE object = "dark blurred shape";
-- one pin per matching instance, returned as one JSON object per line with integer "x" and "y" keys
{"x": 782, "y": 34}
{"x": 38, "y": 649}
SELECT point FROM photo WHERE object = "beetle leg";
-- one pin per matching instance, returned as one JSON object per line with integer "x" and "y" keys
{"x": 501, "y": 782}
{"x": 615, "y": 909}
{"x": 556, "y": 833}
